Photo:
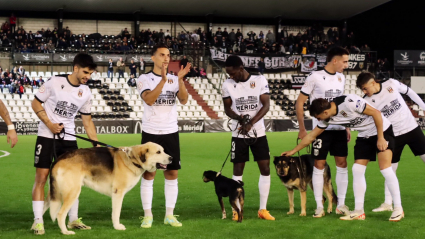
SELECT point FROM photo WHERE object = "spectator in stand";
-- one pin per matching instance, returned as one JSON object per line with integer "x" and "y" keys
{"x": 12, "y": 20}
{"x": 232, "y": 36}
{"x": 238, "y": 33}
{"x": 223, "y": 44}
{"x": 184, "y": 61}
{"x": 110, "y": 69}
{"x": 40, "y": 81}
{"x": 141, "y": 66}
{"x": 261, "y": 66}
{"x": 2, "y": 82}
{"x": 251, "y": 36}
{"x": 203, "y": 73}
{"x": 80, "y": 44}
{"x": 120, "y": 65}
{"x": 132, "y": 81}
{"x": 21, "y": 70}
{"x": 365, "y": 48}
{"x": 34, "y": 83}
{"x": 261, "y": 35}
{"x": 167, "y": 35}
{"x": 219, "y": 33}
{"x": 13, "y": 86}
{"x": 133, "y": 68}
{"x": 5, "y": 41}
{"x": 242, "y": 46}
{"x": 125, "y": 33}
{"x": 5, "y": 26}
{"x": 20, "y": 89}
{"x": 270, "y": 37}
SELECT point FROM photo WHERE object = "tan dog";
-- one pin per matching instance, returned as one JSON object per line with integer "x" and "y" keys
{"x": 109, "y": 171}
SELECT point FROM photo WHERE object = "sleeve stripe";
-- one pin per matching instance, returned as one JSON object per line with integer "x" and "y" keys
{"x": 322, "y": 127}
{"x": 226, "y": 97}
{"x": 35, "y": 97}
{"x": 364, "y": 108}
{"x": 407, "y": 91}
{"x": 84, "y": 113}
{"x": 304, "y": 93}
{"x": 143, "y": 91}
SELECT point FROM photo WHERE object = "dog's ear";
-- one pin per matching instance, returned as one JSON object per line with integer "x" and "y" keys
{"x": 144, "y": 150}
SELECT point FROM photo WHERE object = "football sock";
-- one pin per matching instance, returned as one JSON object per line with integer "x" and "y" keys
{"x": 341, "y": 184}
{"x": 37, "y": 208}
{"x": 146, "y": 193}
{"x": 392, "y": 182}
{"x": 423, "y": 157}
{"x": 237, "y": 178}
{"x": 359, "y": 185}
{"x": 318, "y": 186}
{"x": 388, "y": 198}
{"x": 171, "y": 191}
{"x": 264, "y": 187}
{"x": 73, "y": 212}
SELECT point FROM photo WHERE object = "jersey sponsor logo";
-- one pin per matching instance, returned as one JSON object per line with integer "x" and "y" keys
{"x": 354, "y": 122}
{"x": 62, "y": 109}
{"x": 42, "y": 89}
{"x": 252, "y": 84}
{"x": 331, "y": 94}
{"x": 350, "y": 100}
{"x": 343, "y": 113}
{"x": 170, "y": 81}
{"x": 62, "y": 86}
{"x": 167, "y": 99}
{"x": 390, "y": 89}
{"x": 248, "y": 104}
{"x": 80, "y": 93}
{"x": 388, "y": 110}
{"x": 359, "y": 103}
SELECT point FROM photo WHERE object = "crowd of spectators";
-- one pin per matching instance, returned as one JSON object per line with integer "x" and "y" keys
{"x": 16, "y": 80}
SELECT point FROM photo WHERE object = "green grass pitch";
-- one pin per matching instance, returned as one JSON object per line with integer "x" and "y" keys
{"x": 197, "y": 203}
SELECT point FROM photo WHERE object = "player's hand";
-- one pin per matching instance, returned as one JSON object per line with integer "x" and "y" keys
{"x": 302, "y": 133}
{"x": 12, "y": 137}
{"x": 244, "y": 129}
{"x": 382, "y": 144}
{"x": 164, "y": 71}
{"x": 288, "y": 153}
{"x": 55, "y": 128}
{"x": 184, "y": 71}
{"x": 348, "y": 134}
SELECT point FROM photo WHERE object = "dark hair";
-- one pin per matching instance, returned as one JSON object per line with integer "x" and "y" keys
{"x": 336, "y": 51}
{"x": 157, "y": 46}
{"x": 234, "y": 61}
{"x": 84, "y": 60}
{"x": 318, "y": 106}
{"x": 363, "y": 78}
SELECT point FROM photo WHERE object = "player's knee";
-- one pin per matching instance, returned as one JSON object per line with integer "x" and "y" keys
{"x": 341, "y": 164}
{"x": 320, "y": 164}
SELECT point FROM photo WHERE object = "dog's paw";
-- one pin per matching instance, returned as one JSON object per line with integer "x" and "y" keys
{"x": 329, "y": 210}
{"x": 290, "y": 212}
{"x": 119, "y": 227}
{"x": 224, "y": 216}
{"x": 303, "y": 214}
{"x": 68, "y": 232}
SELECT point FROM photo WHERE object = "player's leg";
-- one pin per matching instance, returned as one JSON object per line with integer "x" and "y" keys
{"x": 339, "y": 150}
{"x": 42, "y": 162}
{"x": 238, "y": 156}
{"x": 146, "y": 187}
{"x": 171, "y": 145}
{"x": 261, "y": 152}
{"x": 319, "y": 152}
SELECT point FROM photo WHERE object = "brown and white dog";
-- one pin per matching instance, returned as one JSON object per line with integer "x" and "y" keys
{"x": 109, "y": 171}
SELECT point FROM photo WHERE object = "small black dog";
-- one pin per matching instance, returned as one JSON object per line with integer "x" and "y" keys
{"x": 226, "y": 187}
{"x": 297, "y": 173}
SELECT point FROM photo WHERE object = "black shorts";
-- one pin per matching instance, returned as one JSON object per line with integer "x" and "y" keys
{"x": 170, "y": 143}
{"x": 330, "y": 141}
{"x": 240, "y": 150}
{"x": 416, "y": 141}
{"x": 43, "y": 155}
{"x": 366, "y": 148}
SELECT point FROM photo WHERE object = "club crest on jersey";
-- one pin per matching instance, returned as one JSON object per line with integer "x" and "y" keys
{"x": 343, "y": 113}
{"x": 170, "y": 81}
{"x": 390, "y": 89}
{"x": 252, "y": 84}
{"x": 339, "y": 78}
{"x": 139, "y": 85}
{"x": 80, "y": 93}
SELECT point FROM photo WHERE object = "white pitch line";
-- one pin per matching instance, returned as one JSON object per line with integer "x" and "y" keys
{"x": 5, "y": 153}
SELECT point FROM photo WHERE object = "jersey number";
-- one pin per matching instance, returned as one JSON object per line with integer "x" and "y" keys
{"x": 38, "y": 149}
{"x": 317, "y": 144}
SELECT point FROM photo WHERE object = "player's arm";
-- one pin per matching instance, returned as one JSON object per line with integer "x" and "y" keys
{"x": 12, "y": 137}
{"x": 415, "y": 97}
{"x": 41, "y": 114}
{"x": 265, "y": 101}
{"x": 89, "y": 126}
{"x": 182, "y": 95}
{"x": 299, "y": 109}
{"x": 377, "y": 117}
{"x": 307, "y": 140}
{"x": 150, "y": 96}
{"x": 227, "y": 102}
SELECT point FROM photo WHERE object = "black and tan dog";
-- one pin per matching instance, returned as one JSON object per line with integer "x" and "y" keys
{"x": 226, "y": 187}
{"x": 297, "y": 173}
{"x": 109, "y": 171}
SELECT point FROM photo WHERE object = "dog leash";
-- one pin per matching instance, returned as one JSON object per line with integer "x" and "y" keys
{"x": 301, "y": 169}
{"x": 61, "y": 136}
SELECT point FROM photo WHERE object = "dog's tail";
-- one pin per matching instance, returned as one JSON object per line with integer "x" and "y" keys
{"x": 329, "y": 178}
{"x": 55, "y": 200}
{"x": 47, "y": 200}
{"x": 240, "y": 182}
